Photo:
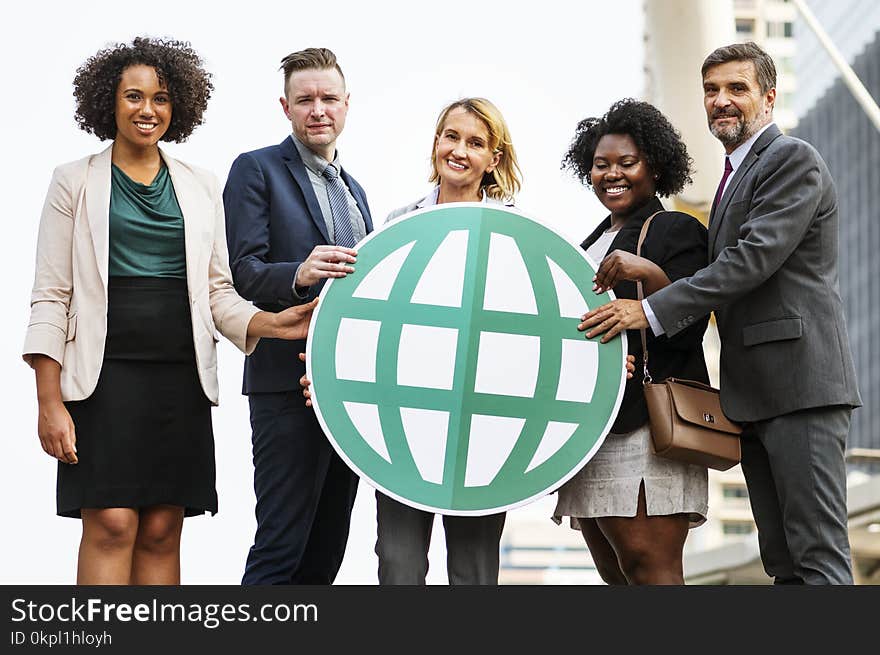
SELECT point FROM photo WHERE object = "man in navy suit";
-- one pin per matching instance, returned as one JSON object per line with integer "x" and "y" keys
{"x": 293, "y": 216}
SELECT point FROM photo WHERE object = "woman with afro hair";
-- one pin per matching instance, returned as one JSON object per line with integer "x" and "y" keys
{"x": 132, "y": 284}
{"x": 633, "y": 508}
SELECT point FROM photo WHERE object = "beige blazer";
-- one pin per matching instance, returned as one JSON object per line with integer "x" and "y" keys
{"x": 69, "y": 299}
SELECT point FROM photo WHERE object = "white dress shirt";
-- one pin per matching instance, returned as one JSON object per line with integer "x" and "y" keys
{"x": 599, "y": 249}
{"x": 431, "y": 199}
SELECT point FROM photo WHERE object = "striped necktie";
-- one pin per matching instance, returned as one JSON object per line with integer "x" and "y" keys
{"x": 336, "y": 192}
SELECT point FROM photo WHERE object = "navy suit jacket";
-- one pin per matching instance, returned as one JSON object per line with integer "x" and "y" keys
{"x": 273, "y": 221}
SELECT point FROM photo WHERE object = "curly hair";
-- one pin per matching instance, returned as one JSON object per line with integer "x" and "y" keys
{"x": 656, "y": 138}
{"x": 178, "y": 67}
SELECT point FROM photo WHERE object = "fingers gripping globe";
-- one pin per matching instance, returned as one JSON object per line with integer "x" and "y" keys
{"x": 448, "y": 370}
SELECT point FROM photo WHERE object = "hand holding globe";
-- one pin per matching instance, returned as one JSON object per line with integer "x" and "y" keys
{"x": 449, "y": 371}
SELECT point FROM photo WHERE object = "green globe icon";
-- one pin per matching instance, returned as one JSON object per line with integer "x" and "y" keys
{"x": 448, "y": 370}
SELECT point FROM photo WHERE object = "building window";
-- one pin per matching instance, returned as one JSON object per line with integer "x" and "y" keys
{"x": 737, "y": 527}
{"x": 734, "y": 491}
{"x": 780, "y": 29}
{"x": 745, "y": 27}
{"x": 786, "y": 65}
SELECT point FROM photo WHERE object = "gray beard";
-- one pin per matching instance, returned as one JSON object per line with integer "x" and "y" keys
{"x": 732, "y": 137}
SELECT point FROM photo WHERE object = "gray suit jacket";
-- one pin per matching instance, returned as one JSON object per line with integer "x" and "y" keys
{"x": 773, "y": 284}
{"x": 430, "y": 200}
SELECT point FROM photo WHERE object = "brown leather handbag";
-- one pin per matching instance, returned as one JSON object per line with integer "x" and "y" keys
{"x": 687, "y": 423}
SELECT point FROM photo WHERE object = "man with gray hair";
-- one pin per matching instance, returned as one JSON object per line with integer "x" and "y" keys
{"x": 293, "y": 216}
{"x": 786, "y": 368}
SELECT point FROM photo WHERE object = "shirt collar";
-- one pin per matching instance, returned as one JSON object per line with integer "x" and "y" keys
{"x": 738, "y": 156}
{"x": 313, "y": 162}
{"x": 431, "y": 199}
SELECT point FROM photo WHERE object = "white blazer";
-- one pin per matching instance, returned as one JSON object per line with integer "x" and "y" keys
{"x": 69, "y": 299}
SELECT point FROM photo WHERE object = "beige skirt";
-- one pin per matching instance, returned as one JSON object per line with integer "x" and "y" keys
{"x": 608, "y": 485}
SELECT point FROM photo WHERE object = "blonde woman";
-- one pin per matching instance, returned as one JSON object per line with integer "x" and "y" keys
{"x": 473, "y": 160}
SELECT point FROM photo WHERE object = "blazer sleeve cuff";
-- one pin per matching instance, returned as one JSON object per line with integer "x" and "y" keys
{"x": 234, "y": 327}
{"x": 44, "y": 339}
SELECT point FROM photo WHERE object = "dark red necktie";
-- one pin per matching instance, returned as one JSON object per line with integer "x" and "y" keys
{"x": 728, "y": 169}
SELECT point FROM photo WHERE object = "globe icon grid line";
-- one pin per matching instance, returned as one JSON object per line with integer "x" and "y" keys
{"x": 460, "y": 487}
{"x": 483, "y": 404}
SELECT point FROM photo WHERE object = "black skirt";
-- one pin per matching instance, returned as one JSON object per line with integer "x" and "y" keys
{"x": 144, "y": 436}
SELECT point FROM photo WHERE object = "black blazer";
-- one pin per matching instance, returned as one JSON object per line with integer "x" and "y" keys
{"x": 677, "y": 243}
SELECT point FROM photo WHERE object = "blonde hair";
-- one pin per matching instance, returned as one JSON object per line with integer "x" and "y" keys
{"x": 506, "y": 179}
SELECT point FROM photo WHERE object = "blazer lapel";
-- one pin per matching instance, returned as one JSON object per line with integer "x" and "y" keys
{"x": 595, "y": 234}
{"x": 627, "y": 237}
{"x": 298, "y": 170}
{"x": 717, "y": 217}
{"x": 196, "y": 211}
{"x": 98, "y": 208}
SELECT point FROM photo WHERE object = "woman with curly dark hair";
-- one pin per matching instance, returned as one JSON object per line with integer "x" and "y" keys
{"x": 132, "y": 284}
{"x": 632, "y": 507}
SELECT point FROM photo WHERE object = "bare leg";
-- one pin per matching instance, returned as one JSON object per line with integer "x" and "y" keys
{"x": 105, "y": 550}
{"x": 649, "y": 548}
{"x": 603, "y": 554}
{"x": 156, "y": 557}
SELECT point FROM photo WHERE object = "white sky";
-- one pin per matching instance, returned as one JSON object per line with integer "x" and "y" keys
{"x": 545, "y": 65}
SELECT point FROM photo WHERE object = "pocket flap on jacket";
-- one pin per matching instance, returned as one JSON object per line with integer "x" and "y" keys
{"x": 701, "y": 407}
{"x": 71, "y": 328}
{"x": 778, "y": 330}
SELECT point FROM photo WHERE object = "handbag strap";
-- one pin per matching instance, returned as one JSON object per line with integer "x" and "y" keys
{"x": 646, "y": 379}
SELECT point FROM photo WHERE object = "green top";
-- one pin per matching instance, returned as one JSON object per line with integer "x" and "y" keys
{"x": 146, "y": 227}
